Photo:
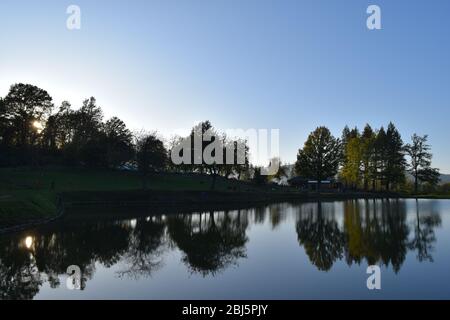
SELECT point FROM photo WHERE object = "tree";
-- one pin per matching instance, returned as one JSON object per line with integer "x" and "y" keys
{"x": 351, "y": 171}
{"x": 151, "y": 156}
{"x": 93, "y": 152}
{"x": 347, "y": 135}
{"x": 6, "y": 136}
{"x": 379, "y": 158}
{"x": 26, "y": 106}
{"x": 88, "y": 137}
{"x": 197, "y": 134}
{"x": 395, "y": 158}
{"x": 3, "y": 121}
{"x": 66, "y": 120}
{"x": 6, "y": 128}
{"x": 241, "y": 169}
{"x": 211, "y": 143}
{"x": 87, "y": 121}
{"x": 258, "y": 178}
{"x": 320, "y": 156}
{"x": 367, "y": 150}
{"x": 50, "y": 134}
{"x": 420, "y": 161}
{"x": 118, "y": 141}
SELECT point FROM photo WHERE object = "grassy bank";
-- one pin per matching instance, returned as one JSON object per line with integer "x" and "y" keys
{"x": 29, "y": 194}
{"x": 426, "y": 196}
{"x": 21, "y": 206}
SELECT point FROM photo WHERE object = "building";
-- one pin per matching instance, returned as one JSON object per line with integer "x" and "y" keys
{"x": 312, "y": 185}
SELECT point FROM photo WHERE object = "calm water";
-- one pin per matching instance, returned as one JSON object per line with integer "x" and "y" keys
{"x": 282, "y": 251}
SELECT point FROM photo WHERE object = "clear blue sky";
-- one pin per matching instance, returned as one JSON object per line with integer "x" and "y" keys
{"x": 291, "y": 65}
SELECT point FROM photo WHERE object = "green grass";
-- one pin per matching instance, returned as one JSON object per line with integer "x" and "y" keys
{"x": 104, "y": 180}
{"x": 21, "y": 206}
{"x": 27, "y": 194}
{"x": 30, "y": 193}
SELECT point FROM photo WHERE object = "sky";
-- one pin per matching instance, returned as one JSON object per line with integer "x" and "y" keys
{"x": 266, "y": 64}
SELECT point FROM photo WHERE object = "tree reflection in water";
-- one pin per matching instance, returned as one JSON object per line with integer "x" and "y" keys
{"x": 19, "y": 275}
{"x": 146, "y": 245}
{"x": 23, "y": 269}
{"x": 375, "y": 231}
{"x": 427, "y": 219}
{"x": 210, "y": 242}
{"x": 319, "y": 233}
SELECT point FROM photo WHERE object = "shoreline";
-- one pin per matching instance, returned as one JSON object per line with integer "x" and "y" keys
{"x": 186, "y": 201}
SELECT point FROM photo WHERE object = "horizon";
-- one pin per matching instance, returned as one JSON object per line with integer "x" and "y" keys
{"x": 167, "y": 66}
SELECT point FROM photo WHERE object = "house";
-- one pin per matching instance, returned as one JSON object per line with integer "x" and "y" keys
{"x": 312, "y": 185}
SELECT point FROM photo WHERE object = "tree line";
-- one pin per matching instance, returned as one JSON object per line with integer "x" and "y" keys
{"x": 368, "y": 160}
{"x": 34, "y": 132}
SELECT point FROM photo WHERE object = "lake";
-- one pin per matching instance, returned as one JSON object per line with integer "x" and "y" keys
{"x": 280, "y": 251}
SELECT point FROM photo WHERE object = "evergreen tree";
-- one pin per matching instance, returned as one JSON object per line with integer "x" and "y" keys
{"x": 379, "y": 159}
{"x": 367, "y": 150}
{"x": 395, "y": 158}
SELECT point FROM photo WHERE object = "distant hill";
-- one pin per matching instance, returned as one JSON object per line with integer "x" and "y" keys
{"x": 445, "y": 178}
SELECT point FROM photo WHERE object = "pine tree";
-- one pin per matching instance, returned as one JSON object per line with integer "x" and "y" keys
{"x": 395, "y": 158}
{"x": 367, "y": 149}
{"x": 379, "y": 159}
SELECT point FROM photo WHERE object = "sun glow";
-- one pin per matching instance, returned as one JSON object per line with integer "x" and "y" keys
{"x": 28, "y": 242}
{"x": 38, "y": 126}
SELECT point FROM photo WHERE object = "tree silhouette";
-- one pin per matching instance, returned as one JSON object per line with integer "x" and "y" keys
{"x": 420, "y": 164}
{"x": 209, "y": 245}
{"x": 424, "y": 235}
{"x": 151, "y": 156}
{"x": 320, "y": 156}
{"x": 320, "y": 235}
{"x": 146, "y": 246}
{"x": 119, "y": 142}
{"x": 395, "y": 159}
{"x": 26, "y": 105}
